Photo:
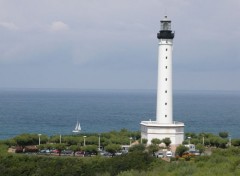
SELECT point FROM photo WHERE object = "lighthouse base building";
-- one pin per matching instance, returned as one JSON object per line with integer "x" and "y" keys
{"x": 153, "y": 129}
{"x": 164, "y": 126}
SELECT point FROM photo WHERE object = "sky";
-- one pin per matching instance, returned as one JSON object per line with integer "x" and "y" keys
{"x": 104, "y": 44}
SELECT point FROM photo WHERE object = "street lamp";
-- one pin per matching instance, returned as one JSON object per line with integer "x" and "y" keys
{"x": 60, "y": 138}
{"x": 84, "y": 142}
{"x": 99, "y": 141}
{"x": 39, "y": 139}
{"x": 130, "y": 140}
{"x": 189, "y": 138}
{"x": 230, "y": 141}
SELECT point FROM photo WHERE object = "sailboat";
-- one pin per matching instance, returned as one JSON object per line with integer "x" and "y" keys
{"x": 77, "y": 128}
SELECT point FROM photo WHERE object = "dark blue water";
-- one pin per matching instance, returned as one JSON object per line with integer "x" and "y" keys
{"x": 53, "y": 111}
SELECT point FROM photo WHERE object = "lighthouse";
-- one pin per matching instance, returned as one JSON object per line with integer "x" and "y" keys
{"x": 164, "y": 89}
{"x": 164, "y": 126}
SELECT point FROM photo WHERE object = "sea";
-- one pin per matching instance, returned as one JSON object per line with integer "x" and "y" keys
{"x": 54, "y": 111}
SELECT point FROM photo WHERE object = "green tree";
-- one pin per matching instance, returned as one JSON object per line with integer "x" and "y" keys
{"x": 167, "y": 141}
{"x": 92, "y": 149}
{"x": 92, "y": 140}
{"x": 180, "y": 150}
{"x": 156, "y": 141}
{"x": 137, "y": 148}
{"x": 236, "y": 142}
{"x": 10, "y": 142}
{"x": 113, "y": 148}
{"x": 60, "y": 148}
{"x": 71, "y": 140}
{"x": 153, "y": 148}
{"x": 192, "y": 135}
{"x": 200, "y": 147}
{"x": 75, "y": 148}
{"x": 144, "y": 141}
{"x": 41, "y": 147}
{"x": 223, "y": 134}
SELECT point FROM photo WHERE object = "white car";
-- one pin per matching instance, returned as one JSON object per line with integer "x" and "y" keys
{"x": 160, "y": 155}
{"x": 169, "y": 154}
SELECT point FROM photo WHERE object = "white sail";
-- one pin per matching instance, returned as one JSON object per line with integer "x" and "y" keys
{"x": 77, "y": 128}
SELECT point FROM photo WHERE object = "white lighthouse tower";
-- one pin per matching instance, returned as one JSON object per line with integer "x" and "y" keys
{"x": 164, "y": 126}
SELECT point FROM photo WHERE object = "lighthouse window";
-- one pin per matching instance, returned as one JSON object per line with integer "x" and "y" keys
{"x": 165, "y": 91}
{"x": 165, "y": 103}
{"x": 166, "y": 49}
{"x": 166, "y": 57}
{"x": 165, "y": 115}
{"x": 165, "y": 79}
{"x": 166, "y": 67}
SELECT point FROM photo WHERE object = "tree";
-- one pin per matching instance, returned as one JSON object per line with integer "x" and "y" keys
{"x": 41, "y": 147}
{"x": 113, "y": 148}
{"x": 156, "y": 141}
{"x": 91, "y": 149}
{"x": 200, "y": 147}
{"x": 236, "y": 142}
{"x": 60, "y": 148}
{"x": 92, "y": 140}
{"x": 167, "y": 141}
{"x": 144, "y": 141}
{"x": 10, "y": 142}
{"x": 137, "y": 148}
{"x": 223, "y": 134}
{"x": 153, "y": 148}
{"x": 180, "y": 150}
{"x": 218, "y": 142}
{"x": 70, "y": 140}
{"x": 74, "y": 148}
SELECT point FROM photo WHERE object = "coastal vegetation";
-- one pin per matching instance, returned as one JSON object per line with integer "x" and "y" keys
{"x": 220, "y": 156}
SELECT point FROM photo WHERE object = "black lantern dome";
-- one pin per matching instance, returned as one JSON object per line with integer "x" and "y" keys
{"x": 165, "y": 32}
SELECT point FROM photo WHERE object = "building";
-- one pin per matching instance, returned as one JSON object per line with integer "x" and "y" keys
{"x": 164, "y": 126}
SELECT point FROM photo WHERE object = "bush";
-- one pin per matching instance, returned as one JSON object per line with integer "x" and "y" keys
{"x": 180, "y": 150}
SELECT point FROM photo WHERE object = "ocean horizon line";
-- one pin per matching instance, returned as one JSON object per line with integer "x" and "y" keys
{"x": 110, "y": 89}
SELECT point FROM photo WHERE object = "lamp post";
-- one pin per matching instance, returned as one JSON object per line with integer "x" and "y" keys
{"x": 60, "y": 138}
{"x": 39, "y": 139}
{"x": 230, "y": 141}
{"x": 189, "y": 138}
{"x": 130, "y": 142}
{"x": 84, "y": 140}
{"x": 99, "y": 141}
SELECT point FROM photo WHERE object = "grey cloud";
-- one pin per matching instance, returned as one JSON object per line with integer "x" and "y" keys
{"x": 118, "y": 37}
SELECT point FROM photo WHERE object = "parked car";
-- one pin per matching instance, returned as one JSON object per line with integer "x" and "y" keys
{"x": 169, "y": 154}
{"x": 67, "y": 152}
{"x": 79, "y": 153}
{"x": 160, "y": 155}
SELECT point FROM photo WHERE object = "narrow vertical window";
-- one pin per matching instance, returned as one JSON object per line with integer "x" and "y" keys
{"x": 165, "y": 103}
{"x": 165, "y": 115}
{"x": 166, "y": 57}
{"x": 165, "y": 91}
{"x": 166, "y": 67}
{"x": 165, "y": 79}
{"x": 166, "y": 49}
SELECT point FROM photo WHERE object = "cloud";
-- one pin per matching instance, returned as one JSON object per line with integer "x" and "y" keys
{"x": 8, "y": 25}
{"x": 58, "y": 26}
{"x": 88, "y": 37}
